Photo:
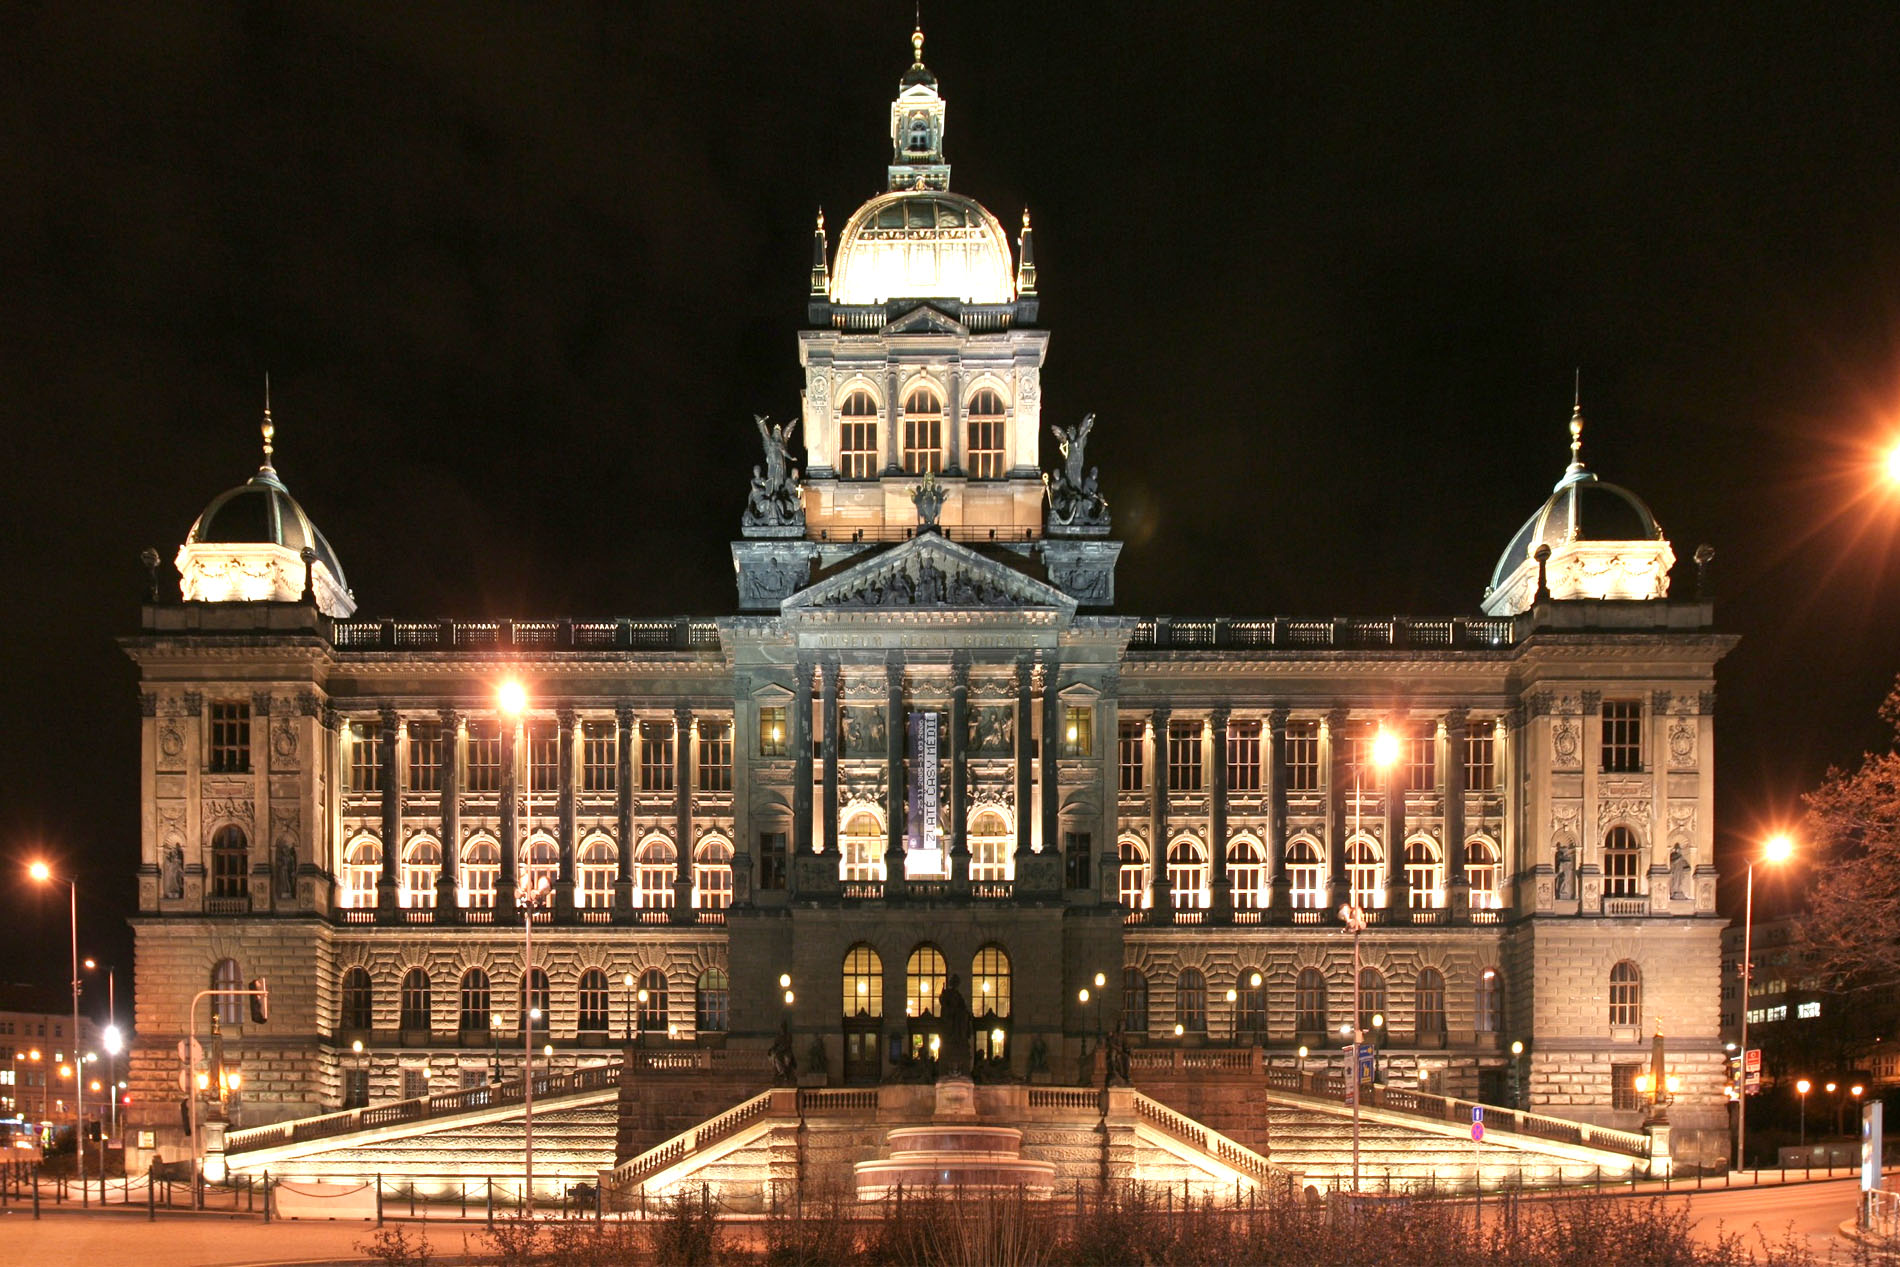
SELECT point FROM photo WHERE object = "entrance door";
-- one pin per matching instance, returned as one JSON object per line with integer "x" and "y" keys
{"x": 861, "y": 1063}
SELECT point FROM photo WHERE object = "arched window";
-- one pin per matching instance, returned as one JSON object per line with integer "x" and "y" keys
{"x": 593, "y": 999}
{"x": 1484, "y": 871}
{"x": 481, "y": 870}
{"x": 1305, "y": 874}
{"x": 712, "y": 1006}
{"x": 653, "y": 1012}
{"x": 421, "y": 864}
{"x": 413, "y": 1016}
{"x": 923, "y": 432}
{"x": 991, "y": 857}
{"x": 656, "y": 864}
{"x": 987, "y": 458}
{"x": 1250, "y": 1002}
{"x": 1190, "y": 1001}
{"x": 1187, "y": 874}
{"x": 533, "y": 999}
{"x": 540, "y": 865}
{"x": 362, "y": 866}
{"x": 225, "y": 976}
{"x": 1134, "y": 1001}
{"x": 1488, "y": 1002}
{"x": 863, "y": 982}
{"x": 1372, "y": 1001}
{"x": 712, "y": 874}
{"x": 862, "y": 849}
{"x": 1365, "y": 869}
{"x": 1424, "y": 875}
{"x": 1248, "y": 874}
{"x": 1132, "y": 879}
{"x": 1622, "y": 863}
{"x": 475, "y": 1014}
{"x": 230, "y": 863}
{"x": 1429, "y": 1014}
{"x": 1626, "y": 995}
{"x": 357, "y": 1001}
{"x": 923, "y": 981}
{"x": 598, "y": 862}
{"x": 1309, "y": 1001}
{"x": 857, "y": 436}
{"x": 989, "y": 983}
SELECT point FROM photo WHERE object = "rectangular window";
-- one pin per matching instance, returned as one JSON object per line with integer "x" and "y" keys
{"x": 1184, "y": 756}
{"x": 1078, "y": 733}
{"x": 366, "y": 756}
{"x": 474, "y": 1077}
{"x": 1622, "y": 736}
{"x": 923, "y": 444}
{"x": 1807, "y": 1011}
{"x": 544, "y": 757}
{"x": 425, "y": 756}
{"x": 1421, "y": 759}
{"x": 857, "y": 448}
{"x": 1623, "y": 1092}
{"x": 656, "y": 756}
{"x": 482, "y": 773}
{"x": 986, "y": 448}
{"x": 775, "y": 732}
{"x": 1075, "y": 855}
{"x": 415, "y": 1084}
{"x": 1481, "y": 757}
{"x": 600, "y": 757}
{"x": 772, "y": 860}
{"x": 1302, "y": 756}
{"x": 1131, "y": 757}
{"x": 231, "y": 738}
{"x": 355, "y": 1088}
{"x": 715, "y": 756}
{"x": 1243, "y": 756}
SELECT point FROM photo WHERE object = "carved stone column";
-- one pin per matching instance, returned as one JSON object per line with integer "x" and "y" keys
{"x": 1392, "y": 785}
{"x": 564, "y": 813}
{"x": 683, "y": 912}
{"x": 505, "y": 912}
{"x": 1331, "y": 741}
{"x": 1221, "y": 894}
{"x": 1053, "y": 737}
{"x": 960, "y": 773}
{"x": 893, "y": 410}
{"x": 623, "y": 814}
{"x": 1025, "y": 832}
{"x": 1161, "y": 898}
{"x": 448, "y": 908}
{"x": 953, "y": 425}
{"x": 801, "y": 761}
{"x": 1279, "y": 889}
{"x": 895, "y": 735}
{"x": 1457, "y": 885}
{"x": 389, "y": 763}
{"x": 828, "y": 707}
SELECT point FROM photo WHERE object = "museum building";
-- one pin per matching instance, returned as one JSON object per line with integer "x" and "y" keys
{"x": 926, "y": 745}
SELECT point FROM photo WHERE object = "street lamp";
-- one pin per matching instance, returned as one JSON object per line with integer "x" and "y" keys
{"x": 1778, "y": 848}
{"x": 43, "y": 874}
{"x": 1385, "y": 750}
{"x": 1802, "y": 1088}
{"x": 1831, "y": 1088}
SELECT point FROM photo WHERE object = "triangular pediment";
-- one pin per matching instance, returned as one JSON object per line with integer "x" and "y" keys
{"x": 929, "y": 571}
{"x": 924, "y": 319}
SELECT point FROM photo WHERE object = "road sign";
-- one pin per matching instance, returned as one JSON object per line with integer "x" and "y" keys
{"x": 1477, "y": 1114}
{"x": 1477, "y": 1131}
{"x": 1365, "y": 1057}
{"x": 1751, "y": 1069}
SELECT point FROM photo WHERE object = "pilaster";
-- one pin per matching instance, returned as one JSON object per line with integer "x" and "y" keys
{"x": 566, "y": 720}
{"x": 448, "y": 909}
{"x": 389, "y": 763}
{"x": 683, "y": 912}
{"x": 1221, "y": 888}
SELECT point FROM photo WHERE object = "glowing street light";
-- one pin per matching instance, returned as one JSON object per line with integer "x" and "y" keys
{"x": 1385, "y": 750}
{"x": 1801, "y": 1089}
{"x": 1777, "y": 849}
{"x": 1893, "y": 464}
{"x": 43, "y": 874}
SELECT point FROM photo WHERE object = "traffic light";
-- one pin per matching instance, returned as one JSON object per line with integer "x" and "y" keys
{"x": 260, "y": 1001}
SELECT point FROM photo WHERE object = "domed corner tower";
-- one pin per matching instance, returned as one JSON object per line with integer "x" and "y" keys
{"x": 1603, "y": 540}
{"x": 921, "y": 358}
{"x": 248, "y": 547}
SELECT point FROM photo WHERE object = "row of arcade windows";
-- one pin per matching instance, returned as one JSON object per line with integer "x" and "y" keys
{"x": 1189, "y": 873}
{"x": 599, "y": 769}
{"x": 645, "y": 1002}
{"x": 596, "y": 866}
{"x": 985, "y": 456}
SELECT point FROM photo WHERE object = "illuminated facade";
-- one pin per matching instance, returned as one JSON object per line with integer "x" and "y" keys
{"x": 928, "y": 746}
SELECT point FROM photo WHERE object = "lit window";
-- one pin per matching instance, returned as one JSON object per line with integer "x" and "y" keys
{"x": 481, "y": 869}
{"x": 1424, "y": 875}
{"x": 421, "y": 864}
{"x": 986, "y": 456}
{"x": 1187, "y": 874}
{"x": 712, "y": 875}
{"x": 923, "y": 981}
{"x": 1247, "y": 873}
{"x": 656, "y": 756}
{"x": 1481, "y": 757}
{"x": 1184, "y": 756}
{"x": 1622, "y": 863}
{"x": 362, "y": 867}
{"x": 715, "y": 756}
{"x": 540, "y": 864}
{"x": 230, "y": 738}
{"x": 857, "y": 436}
{"x": 1302, "y": 756}
{"x": 923, "y": 433}
{"x": 1807, "y": 1011}
{"x": 598, "y": 862}
{"x": 991, "y": 857}
{"x": 366, "y": 761}
{"x": 1485, "y": 873}
{"x": 1078, "y": 733}
{"x": 1243, "y": 756}
{"x": 862, "y": 848}
{"x": 1622, "y": 736}
{"x": 774, "y": 733}
{"x": 1131, "y": 756}
{"x": 657, "y": 864}
{"x": 989, "y": 983}
{"x": 1306, "y": 874}
{"x": 1133, "y": 878}
{"x": 1365, "y": 870}
{"x": 863, "y": 982}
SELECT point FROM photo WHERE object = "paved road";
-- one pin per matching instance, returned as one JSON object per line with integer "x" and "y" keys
{"x": 1812, "y": 1211}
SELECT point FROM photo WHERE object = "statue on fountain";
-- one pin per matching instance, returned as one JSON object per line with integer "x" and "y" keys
{"x": 955, "y": 1048}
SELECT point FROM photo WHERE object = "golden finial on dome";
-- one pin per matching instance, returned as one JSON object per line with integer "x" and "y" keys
{"x": 1576, "y": 423}
{"x": 269, "y": 428}
{"x": 917, "y": 40}
{"x": 821, "y": 219}
{"x": 1025, "y": 217}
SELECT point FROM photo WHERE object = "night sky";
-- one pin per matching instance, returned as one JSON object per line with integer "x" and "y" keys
{"x": 521, "y": 276}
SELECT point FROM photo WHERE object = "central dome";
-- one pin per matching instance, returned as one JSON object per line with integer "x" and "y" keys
{"x": 923, "y": 244}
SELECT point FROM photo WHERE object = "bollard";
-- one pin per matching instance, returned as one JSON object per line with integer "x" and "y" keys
{"x": 151, "y": 1198}
{"x": 491, "y": 1202}
{"x": 379, "y": 1198}
{"x": 36, "y": 1192}
{"x": 267, "y": 1196}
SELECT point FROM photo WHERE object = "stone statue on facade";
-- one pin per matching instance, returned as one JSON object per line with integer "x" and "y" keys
{"x": 784, "y": 1063}
{"x": 284, "y": 872}
{"x": 172, "y": 872}
{"x": 1566, "y": 871}
{"x": 928, "y": 498}
{"x": 1073, "y": 489}
{"x": 955, "y": 1050}
{"x": 1678, "y": 873}
{"x": 775, "y": 499}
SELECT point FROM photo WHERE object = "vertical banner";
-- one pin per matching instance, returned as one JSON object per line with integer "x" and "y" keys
{"x": 923, "y": 783}
{"x": 1871, "y": 1144}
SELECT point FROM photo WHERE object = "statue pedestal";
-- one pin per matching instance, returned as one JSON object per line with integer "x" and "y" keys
{"x": 956, "y": 1099}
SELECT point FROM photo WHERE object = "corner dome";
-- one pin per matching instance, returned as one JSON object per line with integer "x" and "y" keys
{"x": 923, "y": 244}
{"x": 248, "y": 544}
{"x": 1604, "y": 543}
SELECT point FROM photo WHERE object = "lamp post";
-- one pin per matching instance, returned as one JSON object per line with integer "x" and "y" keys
{"x": 1778, "y": 848}
{"x": 1517, "y": 1076}
{"x": 1831, "y": 1088}
{"x": 1233, "y": 1008}
{"x": 626, "y": 984}
{"x": 43, "y": 874}
{"x": 1801, "y": 1089}
{"x": 1385, "y": 750}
